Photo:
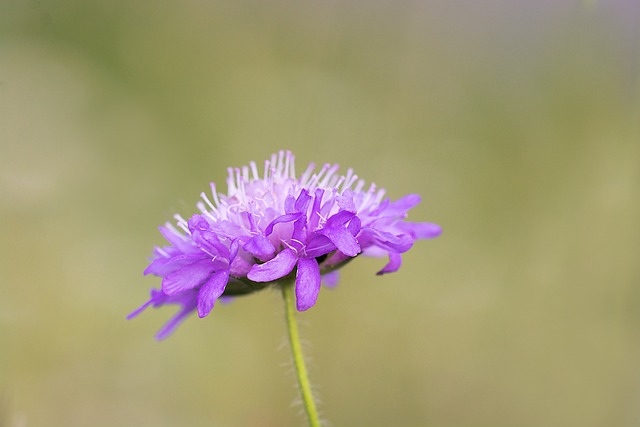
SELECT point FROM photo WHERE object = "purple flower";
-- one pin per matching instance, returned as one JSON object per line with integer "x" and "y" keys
{"x": 274, "y": 227}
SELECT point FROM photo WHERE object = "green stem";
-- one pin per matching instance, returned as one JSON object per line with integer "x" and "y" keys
{"x": 298, "y": 358}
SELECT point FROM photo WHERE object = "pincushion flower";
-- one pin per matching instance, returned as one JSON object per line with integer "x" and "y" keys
{"x": 273, "y": 227}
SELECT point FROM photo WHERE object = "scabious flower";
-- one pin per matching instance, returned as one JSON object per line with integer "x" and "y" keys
{"x": 276, "y": 226}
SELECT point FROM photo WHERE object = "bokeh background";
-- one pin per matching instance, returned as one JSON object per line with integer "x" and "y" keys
{"x": 518, "y": 122}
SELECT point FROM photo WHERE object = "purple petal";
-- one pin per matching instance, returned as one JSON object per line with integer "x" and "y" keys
{"x": 403, "y": 204}
{"x": 165, "y": 266}
{"x": 314, "y": 216}
{"x": 299, "y": 229}
{"x": 280, "y": 219}
{"x": 395, "y": 260}
{"x": 390, "y": 242}
{"x": 140, "y": 309}
{"x": 233, "y": 250}
{"x": 289, "y": 204}
{"x": 339, "y": 219}
{"x": 242, "y": 264}
{"x": 381, "y": 207}
{"x": 302, "y": 202}
{"x": 187, "y": 277}
{"x": 211, "y": 291}
{"x": 343, "y": 239}
{"x": 331, "y": 279}
{"x": 345, "y": 202}
{"x": 177, "y": 240}
{"x": 334, "y": 259}
{"x": 205, "y": 237}
{"x": 260, "y": 247}
{"x": 198, "y": 222}
{"x": 307, "y": 283}
{"x": 250, "y": 220}
{"x": 319, "y": 245}
{"x": 274, "y": 269}
{"x": 172, "y": 324}
{"x": 421, "y": 230}
{"x": 399, "y": 208}
{"x": 354, "y": 225}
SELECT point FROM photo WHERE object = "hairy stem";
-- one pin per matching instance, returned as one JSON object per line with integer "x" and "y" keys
{"x": 298, "y": 358}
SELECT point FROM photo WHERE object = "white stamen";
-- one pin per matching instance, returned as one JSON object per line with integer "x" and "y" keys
{"x": 174, "y": 230}
{"x": 297, "y": 241}
{"x": 313, "y": 182}
{"x": 207, "y": 201}
{"x": 367, "y": 197}
{"x": 307, "y": 173}
{"x": 266, "y": 169}
{"x": 208, "y": 215}
{"x": 214, "y": 193}
{"x": 274, "y": 163}
{"x": 292, "y": 165}
{"x": 180, "y": 219}
{"x": 231, "y": 185}
{"x": 332, "y": 170}
{"x": 350, "y": 179}
{"x": 163, "y": 252}
{"x": 182, "y": 223}
{"x": 254, "y": 170}
{"x": 322, "y": 219}
{"x": 279, "y": 172}
{"x": 324, "y": 170}
{"x": 289, "y": 246}
{"x": 241, "y": 189}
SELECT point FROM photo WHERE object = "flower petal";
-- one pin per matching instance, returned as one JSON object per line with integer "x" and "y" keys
{"x": 372, "y": 237}
{"x": 289, "y": 203}
{"x": 345, "y": 202}
{"x": 331, "y": 279}
{"x": 354, "y": 225}
{"x": 175, "y": 321}
{"x": 307, "y": 283}
{"x": 274, "y": 269}
{"x": 343, "y": 239}
{"x": 187, "y": 277}
{"x": 319, "y": 245}
{"x": 260, "y": 247}
{"x": 340, "y": 219}
{"x": 299, "y": 231}
{"x": 399, "y": 208}
{"x": 233, "y": 250}
{"x": 165, "y": 266}
{"x": 395, "y": 260}
{"x": 178, "y": 240}
{"x": 302, "y": 202}
{"x": 314, "y": 216}
{"x": 421, "y": 230}
{"x": 140, "y": 309}
{"x": 211, "y": 291}
{"x": 242, "y": 264}
{"x": 403, "y": 204}
{"x": 280, "y": 219}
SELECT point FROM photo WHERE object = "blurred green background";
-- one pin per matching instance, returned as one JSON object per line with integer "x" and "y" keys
{"x": 518, "y": 122}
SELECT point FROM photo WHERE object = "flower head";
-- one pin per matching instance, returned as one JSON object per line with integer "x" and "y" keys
{"x": 274, "y": 226}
